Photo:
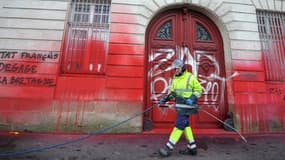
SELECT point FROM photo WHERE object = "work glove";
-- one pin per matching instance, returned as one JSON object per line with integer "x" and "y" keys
{"x": 192, "y": 100}
{"x": 167, "y": 98}
{"x": 189, "y": 101}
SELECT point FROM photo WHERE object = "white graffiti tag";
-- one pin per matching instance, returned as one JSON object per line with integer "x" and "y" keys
{"x": 204, "y": 65}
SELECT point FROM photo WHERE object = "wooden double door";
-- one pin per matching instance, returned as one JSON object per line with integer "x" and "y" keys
{"x": 191, "y": 36}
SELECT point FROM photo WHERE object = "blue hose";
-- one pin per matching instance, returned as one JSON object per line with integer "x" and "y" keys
{"x": 44, "y": 148}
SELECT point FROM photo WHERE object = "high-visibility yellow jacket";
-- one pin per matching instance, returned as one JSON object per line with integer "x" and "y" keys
{"x": 186, "y": 85}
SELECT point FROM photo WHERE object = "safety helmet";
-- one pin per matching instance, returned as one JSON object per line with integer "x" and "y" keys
{"x": 178, "y": 63}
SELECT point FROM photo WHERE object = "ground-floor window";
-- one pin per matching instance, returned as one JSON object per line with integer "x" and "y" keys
{"x": 86, "y": 37}
{"x": 271, "y": 27}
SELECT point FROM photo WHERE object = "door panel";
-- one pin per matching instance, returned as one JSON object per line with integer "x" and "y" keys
{"x": 195, "y": 39}
{"x": 211, "y": 100}
{"x": 160, "y": 81}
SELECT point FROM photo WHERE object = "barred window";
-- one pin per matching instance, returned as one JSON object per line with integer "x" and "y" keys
{"x": 87, "y": 37}
{"x": 271, "y": 27}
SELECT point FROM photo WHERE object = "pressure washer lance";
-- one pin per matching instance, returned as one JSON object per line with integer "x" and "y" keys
{"x": 211, "y": 115}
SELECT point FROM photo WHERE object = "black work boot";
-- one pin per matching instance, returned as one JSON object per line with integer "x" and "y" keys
{"x": 165, "y": 151}
{"x": 189, "y": 151}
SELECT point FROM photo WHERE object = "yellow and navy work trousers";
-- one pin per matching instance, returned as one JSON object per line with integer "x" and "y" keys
{"x": 181, "y": 125}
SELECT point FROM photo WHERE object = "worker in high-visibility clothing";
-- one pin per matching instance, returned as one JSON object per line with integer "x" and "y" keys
{"x": 186, "y": 89}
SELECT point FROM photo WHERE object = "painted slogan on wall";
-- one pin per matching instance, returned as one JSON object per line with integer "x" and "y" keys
{"x": 28, "y": 68}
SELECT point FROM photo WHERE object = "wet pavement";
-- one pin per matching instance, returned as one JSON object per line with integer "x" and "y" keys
{"x": 31, "y": 146}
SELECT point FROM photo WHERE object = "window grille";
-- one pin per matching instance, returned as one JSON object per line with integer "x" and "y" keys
{"x": 87, "y": 37}
{"x": 202, "y": 33}
{"x": 165, "y": 31}
{"x": 271, "y": 27}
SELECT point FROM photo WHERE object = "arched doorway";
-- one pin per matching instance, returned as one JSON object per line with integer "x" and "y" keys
{"x": 195, "y": 38}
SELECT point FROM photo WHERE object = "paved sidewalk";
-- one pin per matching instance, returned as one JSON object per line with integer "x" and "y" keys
{"x": 141, "y": 147}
